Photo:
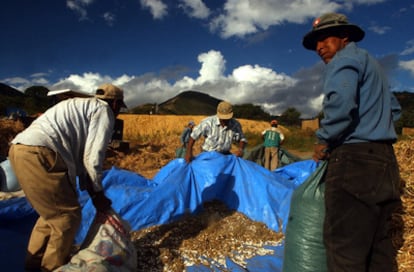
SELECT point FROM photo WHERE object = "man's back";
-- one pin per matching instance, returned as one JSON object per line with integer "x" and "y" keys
{"x": 76, "y": 128}
{"x": 272, "y": 138}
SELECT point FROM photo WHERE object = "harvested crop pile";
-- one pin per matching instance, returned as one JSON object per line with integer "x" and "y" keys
{"x": 8, "y": 129}
{"x": 405, "y": 220}
{"x": 205, "y": 238}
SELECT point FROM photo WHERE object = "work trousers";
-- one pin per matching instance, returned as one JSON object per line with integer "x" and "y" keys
{"x": 43, "y": 176}
{"x": 362, "y": 192}
{"x": 271, "y": 156}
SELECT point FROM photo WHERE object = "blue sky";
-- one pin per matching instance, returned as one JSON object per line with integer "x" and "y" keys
{"x": 243, "y": 51}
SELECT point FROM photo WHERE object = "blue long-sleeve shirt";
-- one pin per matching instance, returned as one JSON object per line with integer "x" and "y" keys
{"x": 185, "y": 136}
{"x": 358, "y": 105}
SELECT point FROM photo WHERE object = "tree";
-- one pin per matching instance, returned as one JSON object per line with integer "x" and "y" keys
{"x": 250, "y": 111}
{"x": 290, "y": 117}
{"x": 36, "y": 99}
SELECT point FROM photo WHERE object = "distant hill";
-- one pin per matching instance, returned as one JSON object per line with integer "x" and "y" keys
{"x": 196, "y": 103}
{"x": 6, "y": 90}
{"x": 185, "y": 103}
{"x": 34, "y": 100}
{"x": 190, "y": 102}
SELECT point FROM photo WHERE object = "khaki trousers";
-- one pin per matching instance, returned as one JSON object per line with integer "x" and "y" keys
{"x": 271, "y": 155}
{"x": 43, "y": 176}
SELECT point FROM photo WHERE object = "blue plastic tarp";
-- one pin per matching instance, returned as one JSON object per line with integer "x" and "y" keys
{"x": 177, "y": 189}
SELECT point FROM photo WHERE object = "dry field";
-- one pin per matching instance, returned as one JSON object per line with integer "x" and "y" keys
{"x": 153, "y": 140}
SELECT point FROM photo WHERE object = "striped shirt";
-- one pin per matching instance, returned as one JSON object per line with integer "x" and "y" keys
{"x": 217, "y": 137}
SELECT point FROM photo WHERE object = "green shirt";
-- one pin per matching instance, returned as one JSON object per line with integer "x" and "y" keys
{"x": 271, "y": 138}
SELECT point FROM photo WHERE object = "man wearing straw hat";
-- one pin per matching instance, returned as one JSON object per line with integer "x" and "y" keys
{"x": 356, "y": 137}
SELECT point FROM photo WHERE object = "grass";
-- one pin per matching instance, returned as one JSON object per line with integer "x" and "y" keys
{"x": 301, "y": 140}
{"x": 166, "y": 129}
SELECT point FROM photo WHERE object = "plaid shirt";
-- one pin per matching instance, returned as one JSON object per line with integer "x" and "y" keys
{"x": 218, "y": 138}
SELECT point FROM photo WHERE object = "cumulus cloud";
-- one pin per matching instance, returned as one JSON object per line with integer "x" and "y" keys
{"x": 195, "y": 8}
{"x": 212, "y": 66}
{"x": 254, "y": 84}
{"x": 244, "y": 17}
{"x": 157, "y": 8}
{"x": 408, "y": 65}
{"x": 21, "y": 84}
{"x": 241, "y": 18}
{"x": 262, "y": 86}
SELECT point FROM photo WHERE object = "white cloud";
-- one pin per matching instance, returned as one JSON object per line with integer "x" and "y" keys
{"x": 37, "y": 75}
{"x": 79, "y": 7}
{"x": 18, "y": 83}
{"x": 379, "y": 29}
{"x": 212, "y": 66}
{"x": 258, "y": 75}
{"x": 21, "y": 84}
{"x": 195, "y": 8}
{"x": 157, "y": 8}
{"x": 245, "y": 84}
{"x": 367, "y": 2}
{"x": 407, "y": 65}
{"x": 409, "y": 48}
{"x": 244, "y": 17}
{"x": 109, "y": 18}
{"x": 87, "y": 82}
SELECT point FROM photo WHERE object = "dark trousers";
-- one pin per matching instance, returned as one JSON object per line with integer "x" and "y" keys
{"x": 362, "y": 192}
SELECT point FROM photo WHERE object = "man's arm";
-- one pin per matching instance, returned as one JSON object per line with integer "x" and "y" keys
{"x": 240, "y": 151}
{"x": 189, "y": 152}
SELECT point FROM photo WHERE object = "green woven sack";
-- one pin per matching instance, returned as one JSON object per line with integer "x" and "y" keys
{"x": 304, "y": 249}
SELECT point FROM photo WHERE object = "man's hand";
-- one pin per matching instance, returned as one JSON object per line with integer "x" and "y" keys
{"x": 320, "y": 152}
{"x": 188, "y": 157}
{"x": 239, "y": 153}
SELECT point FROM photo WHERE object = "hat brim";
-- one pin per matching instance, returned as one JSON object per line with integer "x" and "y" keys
{"x": 356, "y": 34}
{"x": 225, "y": 116}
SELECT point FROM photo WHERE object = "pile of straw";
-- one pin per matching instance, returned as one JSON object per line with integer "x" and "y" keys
{"x": 405, "y": 156}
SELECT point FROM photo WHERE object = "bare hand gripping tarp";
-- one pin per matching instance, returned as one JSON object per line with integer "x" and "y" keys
{"x": 178, "y": 188}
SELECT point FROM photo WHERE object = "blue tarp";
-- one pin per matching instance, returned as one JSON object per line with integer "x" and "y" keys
{"x": 177, "y": 189}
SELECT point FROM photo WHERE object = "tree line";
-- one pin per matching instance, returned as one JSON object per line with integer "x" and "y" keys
{"x": 35, "y": 100}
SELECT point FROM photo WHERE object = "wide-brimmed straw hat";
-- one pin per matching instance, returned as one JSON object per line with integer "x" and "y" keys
{"x": 331, "y": 22}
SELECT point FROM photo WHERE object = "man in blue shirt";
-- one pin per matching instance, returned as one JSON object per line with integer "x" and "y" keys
{"x": 356, "y": 136}
{"x": 184, "y": 139}
{"x": 185, "y": 135}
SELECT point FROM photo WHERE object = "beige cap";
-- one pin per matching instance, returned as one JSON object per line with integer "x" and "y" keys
{"x": 224, "y": 110}
{"x": 109, "y": 91}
